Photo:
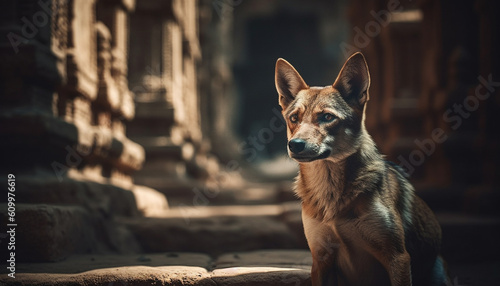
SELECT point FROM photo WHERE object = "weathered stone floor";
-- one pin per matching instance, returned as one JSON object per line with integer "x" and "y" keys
{"x": 267, "y": 267}
{"x": 243, "y": 245}
{"x": 270, "y": 267}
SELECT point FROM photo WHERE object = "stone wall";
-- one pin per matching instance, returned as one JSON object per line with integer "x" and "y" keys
{"x": 63, "y": 107}
{"x": 103, "y": 115}
{"x": 427, "y": 60}
{"x": 178, "y": 115}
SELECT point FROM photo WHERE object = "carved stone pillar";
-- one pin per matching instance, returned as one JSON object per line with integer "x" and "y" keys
{"x": 64, "y": 99}
{"x": 217, "y": 94}
{"x": 114, "y": 16}
{"x": 163, "y": 77}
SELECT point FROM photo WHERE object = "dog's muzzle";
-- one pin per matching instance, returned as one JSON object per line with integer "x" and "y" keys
{"x": 301, "y": 151}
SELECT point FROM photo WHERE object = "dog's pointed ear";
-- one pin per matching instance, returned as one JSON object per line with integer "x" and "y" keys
{"x": 353, "y": 80}
{"x": 288, "y": 82}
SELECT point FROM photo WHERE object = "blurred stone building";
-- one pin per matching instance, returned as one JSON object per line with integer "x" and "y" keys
{"x": 181, "y": 101}
{"x": 89, "y": 89}
{"x": 431, "y": 62}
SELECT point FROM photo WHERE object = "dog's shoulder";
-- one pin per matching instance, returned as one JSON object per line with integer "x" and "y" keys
{"x": 399, "y": 170}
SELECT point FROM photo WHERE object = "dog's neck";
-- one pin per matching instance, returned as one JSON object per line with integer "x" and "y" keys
{"x": 327, "y": 187}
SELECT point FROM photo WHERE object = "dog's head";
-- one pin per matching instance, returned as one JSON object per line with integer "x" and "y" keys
{"x": 324, "y": 122}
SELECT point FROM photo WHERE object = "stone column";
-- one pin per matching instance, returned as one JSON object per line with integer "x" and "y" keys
{"x": 64, "y": 99}
{"x": 164, "y": 54}
{"x": 217, "y": 93}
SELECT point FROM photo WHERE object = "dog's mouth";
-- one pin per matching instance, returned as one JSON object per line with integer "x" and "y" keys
{"x": 310, "y": 158}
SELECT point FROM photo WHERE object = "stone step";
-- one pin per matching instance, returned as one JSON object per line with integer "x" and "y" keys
{"x": 171, "y": 187}
{"x": 159, "y": 167}
{"x": 202, "y": 196}
{"x": 213, "y": 230}
{"x": 73, "y": 145}
{"x": 213, "y": 234}
{"x": 269, "y": 267}
{"x": 163, "y": 147}
{"x": 104, "y": 197}
{"x": 263, "y": 267}
{"x": 150, "y": 126}
{"x": 159, "y": 110}
{"x": 218, "y": 229}
{"x": 53, "y": 232}
{"x": 185, "y": 191}
{"x": 46, "y": 188}
{"x": 79, "y": 263}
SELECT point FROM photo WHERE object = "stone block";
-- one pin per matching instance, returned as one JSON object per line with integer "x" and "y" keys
{"x": 135, "y": 275}
{"x": 171, "y": 186}
{"x": 288, "y": 258}
{"x": 88, "y": 262}
{"x": 262, "y": 276}
{"x": 182, "y": 212}
{"x": 149, "y": 201}
{"x": 211, "y": 235}
{"x": 270, "y": 268}
{"x": 52, "y": 233}
{"x": 263, "y": 267}
{"x": 47, "y": 189}
{"x": 65, "y": 143}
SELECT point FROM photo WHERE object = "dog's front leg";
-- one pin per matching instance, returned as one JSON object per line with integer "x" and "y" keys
{"x": 323, "y": 272}
{"x": 395, "y": 260}
{"x": 399, "y": 269}
{"x": 384, "y": 239}
{"x": 324, "y": 248}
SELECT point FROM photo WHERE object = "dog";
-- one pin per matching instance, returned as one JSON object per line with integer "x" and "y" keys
{"x": 363, "y": 222}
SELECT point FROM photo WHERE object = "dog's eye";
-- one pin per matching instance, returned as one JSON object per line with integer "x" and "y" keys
{"x": 294, "y": 118}
{"x": 327, "y": 117}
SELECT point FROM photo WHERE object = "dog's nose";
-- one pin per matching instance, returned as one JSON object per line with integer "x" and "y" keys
{"x": 296, "y": 145}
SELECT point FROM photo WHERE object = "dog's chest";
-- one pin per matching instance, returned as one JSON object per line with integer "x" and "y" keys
{"x": 336, "y": 241}
{"x": 321, "y": 191}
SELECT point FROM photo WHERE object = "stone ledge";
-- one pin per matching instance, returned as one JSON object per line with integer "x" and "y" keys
{"x": 87, "y": 262}
{"x": 52, "y": 233}
{"x": 149, "y": 201}
{"x": 27, "y": 129}
{"x": 272, "y": 268}
{"x": 135, "y": 275}
{"x": 296, "y": 259}
{"x": 213, "y": 235}
{"x": 229, "y": 193}
{"x": 48, "y": 189}
{"x": 168, "y": 275}
{"x": 92, "y": 193}
{"x": 261, "y": 276}
{"x": 191, "y": 212}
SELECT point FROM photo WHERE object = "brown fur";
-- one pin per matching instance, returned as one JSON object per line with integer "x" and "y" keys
{"x": 363, "y": 222}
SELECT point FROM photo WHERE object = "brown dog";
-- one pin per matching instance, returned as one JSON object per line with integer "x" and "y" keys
{"x": 363, "y": 222}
